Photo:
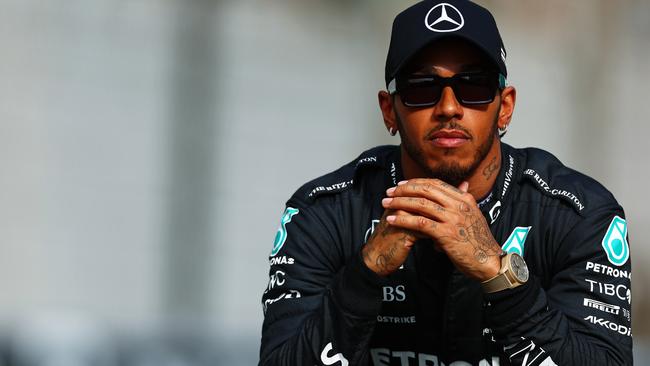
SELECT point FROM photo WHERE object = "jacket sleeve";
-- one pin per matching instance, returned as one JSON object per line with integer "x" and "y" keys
{"x": 320, "y": 306}
{"x": 583, "y": 315}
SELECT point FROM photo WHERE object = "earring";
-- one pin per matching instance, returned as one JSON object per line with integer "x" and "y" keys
{"x": 502, "y": 131}
{"x": 392, "y": 131}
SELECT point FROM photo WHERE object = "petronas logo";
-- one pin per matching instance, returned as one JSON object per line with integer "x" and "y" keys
{"x": 615, "y": 242}
{"x": 515, "y": 242}
{"x": 281, "y": 235}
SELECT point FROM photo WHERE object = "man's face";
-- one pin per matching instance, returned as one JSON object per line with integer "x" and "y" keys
{"x": 448, "y": 140}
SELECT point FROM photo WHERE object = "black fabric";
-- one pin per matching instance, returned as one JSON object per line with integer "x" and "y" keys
{"x": 323, "y": 306}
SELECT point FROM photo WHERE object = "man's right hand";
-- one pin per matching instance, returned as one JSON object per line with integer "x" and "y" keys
{"x": 388, "y": 247}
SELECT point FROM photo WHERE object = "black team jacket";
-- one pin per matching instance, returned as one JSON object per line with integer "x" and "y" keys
{"x": 323, "y": 306}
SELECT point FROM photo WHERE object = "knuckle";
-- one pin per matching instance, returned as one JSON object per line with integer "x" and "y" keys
{"x": 428, "y": 188}
{"x": 422, "y": 222}
{"x": 468, "y": 197}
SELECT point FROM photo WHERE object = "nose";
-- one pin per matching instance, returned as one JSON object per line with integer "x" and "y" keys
{"x": 448, "y": 107}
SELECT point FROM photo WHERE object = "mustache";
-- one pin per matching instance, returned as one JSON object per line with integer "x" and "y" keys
{"x": 451, "y": 125}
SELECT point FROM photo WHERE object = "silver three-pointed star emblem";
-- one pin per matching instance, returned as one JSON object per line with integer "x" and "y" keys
{"x": 444, "y": 17}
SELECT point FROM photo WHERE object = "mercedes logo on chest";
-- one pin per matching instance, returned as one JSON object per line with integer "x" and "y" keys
{"x": 444, "y": 17}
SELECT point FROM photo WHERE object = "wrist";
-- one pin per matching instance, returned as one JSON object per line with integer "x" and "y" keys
{"x": 369, "y": 260}
{"x": 491, "y": 268}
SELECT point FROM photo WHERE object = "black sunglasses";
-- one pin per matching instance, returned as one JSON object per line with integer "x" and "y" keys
{"x": 469, "y": 88}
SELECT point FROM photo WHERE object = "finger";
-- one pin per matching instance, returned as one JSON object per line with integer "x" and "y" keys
{"x": 431, "y": 189}
{"x": 416, "y": 205}
{"x": 464, "y": 187}
{"x": 444, "y": 186}
{"x": 419, "y": 224}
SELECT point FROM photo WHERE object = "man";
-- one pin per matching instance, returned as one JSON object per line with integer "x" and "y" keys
{"x": 453, "y": 248}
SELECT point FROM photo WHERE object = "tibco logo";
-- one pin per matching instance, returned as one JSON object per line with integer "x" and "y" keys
{"x": 620, "y": 291}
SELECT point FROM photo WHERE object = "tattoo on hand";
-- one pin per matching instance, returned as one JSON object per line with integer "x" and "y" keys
{"x": 383, "y": 260}
{"x": 481, "y": 256}
{"x": 477, "y": 234}
{"x": 462, "y": 233}
{"x": 449, "y": 186}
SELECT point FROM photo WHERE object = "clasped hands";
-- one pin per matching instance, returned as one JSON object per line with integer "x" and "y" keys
{"x": 449, "y": 216}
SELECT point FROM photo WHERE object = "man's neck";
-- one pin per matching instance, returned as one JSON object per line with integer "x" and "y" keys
{"x": 483, "y": 179}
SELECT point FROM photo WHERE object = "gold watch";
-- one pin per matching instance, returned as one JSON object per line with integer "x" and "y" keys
{"x": 513, "y": 273}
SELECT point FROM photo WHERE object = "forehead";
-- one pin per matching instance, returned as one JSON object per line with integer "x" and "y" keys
{"x": 452, "y": 54}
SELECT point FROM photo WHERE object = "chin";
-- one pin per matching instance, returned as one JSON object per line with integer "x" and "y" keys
{"x": 451, "y": 172}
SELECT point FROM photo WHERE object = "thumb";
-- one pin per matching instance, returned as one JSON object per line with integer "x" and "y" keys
{"x": 464, "y": 187}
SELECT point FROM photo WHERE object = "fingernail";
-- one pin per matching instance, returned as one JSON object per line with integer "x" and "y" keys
{"x": 402, "y": 182}
{"x": 386, "y": 201}
{"x": 390, "y": 218}
{"x": 390, "y": 191}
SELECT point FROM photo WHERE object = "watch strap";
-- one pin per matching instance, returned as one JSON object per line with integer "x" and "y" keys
{"x": 498, "y": 283}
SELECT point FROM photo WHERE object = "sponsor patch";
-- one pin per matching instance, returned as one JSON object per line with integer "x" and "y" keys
{"x": 281, "y": 260}
{"x": 276, "y": 279}
{"x": 386, "y": 357}
{"x": 618, "y": 328}
{"x": 508, "y": 176}
{"x": 607, "y": 270}
{"x": 371, "y": 230}
{"x": 336, "y": 187}
{"x": 291, "y": 294}
{"x": 604, "y": 307}
{"x": 494, "y": 212}
{"x": 516, "y": 240}
{"x": 619, "y": 291}
{"x": 615, "y": 242}
{"x": 396, "y": 319}
{"x": 560, "y": 193}
{"x": 281, "y": 235}
{"x": 337, "y": 359}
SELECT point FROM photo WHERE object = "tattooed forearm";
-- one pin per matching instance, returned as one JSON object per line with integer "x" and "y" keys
{"x": 481, "y": 256}
{"x": 490, "y": 169}
{"x": 383, "y": 260}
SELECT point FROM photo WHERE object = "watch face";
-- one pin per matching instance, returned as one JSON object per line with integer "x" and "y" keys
{"x": 519, "y": 268}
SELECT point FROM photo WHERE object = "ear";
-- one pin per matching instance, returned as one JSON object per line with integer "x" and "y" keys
{"x": 508, "y": 99}
{"x": 387, "y": 109}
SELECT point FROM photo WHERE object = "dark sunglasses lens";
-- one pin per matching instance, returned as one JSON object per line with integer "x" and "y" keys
{"x": 420, "y": 93}
{"x": 475, "y": 89}
{"x": 420, "y": 97}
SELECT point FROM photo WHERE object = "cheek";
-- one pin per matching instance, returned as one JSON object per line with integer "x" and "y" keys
{"x": 417, "y": 122}
{"x": 481, "y": 125}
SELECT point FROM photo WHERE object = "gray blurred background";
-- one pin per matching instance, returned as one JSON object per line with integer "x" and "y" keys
{"x": 147, "y": 148}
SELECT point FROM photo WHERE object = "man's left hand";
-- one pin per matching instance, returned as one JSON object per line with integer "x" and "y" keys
{"x": 451, "y": 218}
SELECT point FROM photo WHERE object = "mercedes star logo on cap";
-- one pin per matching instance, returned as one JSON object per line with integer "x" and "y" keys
{"x": 444, "y": 17}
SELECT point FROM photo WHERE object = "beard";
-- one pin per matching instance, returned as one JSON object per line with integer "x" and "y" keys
{"x": 450, "y": 172}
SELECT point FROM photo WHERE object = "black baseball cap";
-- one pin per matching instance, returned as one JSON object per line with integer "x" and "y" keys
{"x": 431, "y": 20}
